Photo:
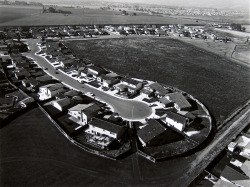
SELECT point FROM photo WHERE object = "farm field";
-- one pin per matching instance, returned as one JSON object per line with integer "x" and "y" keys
{"x": 32, "y": 16}
{"x": 217, "y": 82}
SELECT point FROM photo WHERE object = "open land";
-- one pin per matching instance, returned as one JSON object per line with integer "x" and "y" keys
{"x": 33, "y": 16}
{"x": 215, "y": 81}
{"x": 35, "y": 154}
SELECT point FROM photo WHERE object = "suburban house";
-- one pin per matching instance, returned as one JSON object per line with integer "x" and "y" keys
{"x": 101, "y": 127}
{"x": 43, "y": 78}
{"x": 176, "y": 120}
{"x": 146, "y": 93}
{"x": 132, "y": 83}
{"x": 107, "y": 81}
{"x": 62, "y": 104}
{"x": 82, "y": 113}
{"x": 180, "y": 102}
{"x": 22, "y": 74}
{"x": 95, "y": 71}
{"x": 32, "y": 83}
{"x": 50, "y": 90}
{"x": 128, "y": 84}
{"x": 166, "y": 102}
{"x": 158, "y": 89}
{"x": 149, "y": 134}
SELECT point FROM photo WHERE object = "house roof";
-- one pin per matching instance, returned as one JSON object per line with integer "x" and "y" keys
{"x": 107, "y": 78}
{"x": 150, "y": 131}
{"x": 165, "y": 101}
{"x": 97, "y": 69}
{"x": 130, "y": 81}
{"x": 71, "y": 93}
{"x": 232, "y": 175}
{"x": 246, "y": 167}
{"x": 88, "y": 109}
{"x": 63, "y": 102}
{"x": 179, "y": 99}
{"x": 53, "y": 87}
{"x": 111, "y": 127}
{"x": 158, "y": 88}
{"x": 176, "y": 117}
{"x": 145, "y": 91}
{"x": 43, "y": 78}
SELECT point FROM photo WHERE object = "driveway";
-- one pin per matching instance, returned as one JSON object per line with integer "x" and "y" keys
{"x": 128, "y": 109}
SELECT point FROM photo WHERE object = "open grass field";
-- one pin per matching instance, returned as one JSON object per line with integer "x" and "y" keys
{"x": 32, "y": 16}
{"x": 217, "y": 82}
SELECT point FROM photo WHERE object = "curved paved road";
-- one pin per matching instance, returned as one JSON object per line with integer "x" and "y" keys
{"x": 129, "y": 109}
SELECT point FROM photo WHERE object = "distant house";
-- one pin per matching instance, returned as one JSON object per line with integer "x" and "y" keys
{"x": 101, "y": 127}
{"x": 148, "y": 134}
{"x": 180, "y": 102}
{"x": 50, "y": 90}
{"x": 82, "y": 113}
{"x": 158, "y": 89}
{"x": 62, "y": 104}
{"x": 95, "y": 71}
{"x": 176, "y": 120}
{"x": 107, "y": 81}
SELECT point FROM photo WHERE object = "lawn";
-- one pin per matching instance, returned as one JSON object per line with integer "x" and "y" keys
{"x": 217, "y": 82}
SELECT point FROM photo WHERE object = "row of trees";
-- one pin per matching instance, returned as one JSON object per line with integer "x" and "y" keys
{"x": 238, "y": 27}
{"x": 53, "y": 10}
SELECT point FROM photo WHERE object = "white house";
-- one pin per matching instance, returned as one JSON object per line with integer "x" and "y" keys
{"x": 82, "y": 113}
{"x": 176, "y": 120}
{"x": 107, "y": 81}
{"x": 49, "y": 91}
{"x": 100, "y": 127}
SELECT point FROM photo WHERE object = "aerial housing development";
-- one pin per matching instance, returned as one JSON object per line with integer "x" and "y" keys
{"x": 140, "y": 99}
{"x": 90, "y": 108}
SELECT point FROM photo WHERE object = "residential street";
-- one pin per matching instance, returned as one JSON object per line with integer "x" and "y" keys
{"x": 128, "y": 109}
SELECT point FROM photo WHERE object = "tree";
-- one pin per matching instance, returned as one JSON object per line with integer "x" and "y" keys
{"x": 52, "y": 10}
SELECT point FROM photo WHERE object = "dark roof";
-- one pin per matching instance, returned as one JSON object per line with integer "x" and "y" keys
{"x": 43, "y": 78}
{"x": 130, "y": 81}
{"x": 71, "y": 93}
{"x": 63, "y": 102}
{"x": 107, "y": 78}
{"x": 91, "y": 110}
{"x": 165, "y": 101}
{"x": 152, "y": 130}
{"x": 158, "y": 88}
{"x": 232, "y": 175}
{"x": 95, "y": 68}
{"x": 111, "y": 127}
{"x": 177, "y": 117}
{"x": 179, "y": 99}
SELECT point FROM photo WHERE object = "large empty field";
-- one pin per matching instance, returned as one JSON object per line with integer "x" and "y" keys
{"x": 217, "y": 82}
{"x": 32, "y": 16}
